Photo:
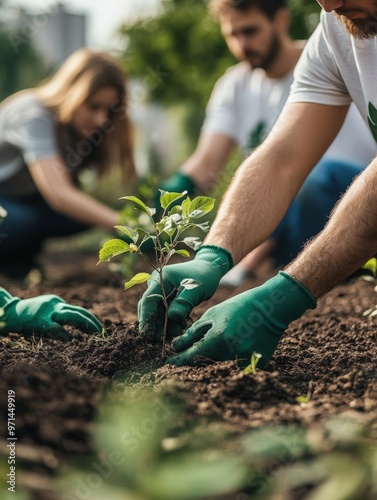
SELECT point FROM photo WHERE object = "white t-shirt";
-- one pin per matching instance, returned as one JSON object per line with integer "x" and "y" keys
{"x": 245, "y": 105}
{"x": 27, "y": 134}
{"x": 336, "y": 69}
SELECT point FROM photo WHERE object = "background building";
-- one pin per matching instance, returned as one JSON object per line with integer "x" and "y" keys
{"x": 55, "y": 33}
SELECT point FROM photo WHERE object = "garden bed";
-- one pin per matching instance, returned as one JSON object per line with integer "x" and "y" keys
{"x": 330, "y": 352}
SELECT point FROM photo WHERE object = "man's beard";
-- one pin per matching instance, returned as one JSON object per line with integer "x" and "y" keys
{"x": 265, "y": 62}
{"x": 361, "y": 29}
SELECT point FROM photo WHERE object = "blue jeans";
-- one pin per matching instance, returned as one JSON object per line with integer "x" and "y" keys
{"x": 30, "y": 221}
{"x": 312, "y": 207}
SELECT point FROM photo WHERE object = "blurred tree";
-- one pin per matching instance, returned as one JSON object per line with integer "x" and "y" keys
{"x": 20, "y": 66}
{"x": 179, "y": 53}
{"x": 304, "y": 18}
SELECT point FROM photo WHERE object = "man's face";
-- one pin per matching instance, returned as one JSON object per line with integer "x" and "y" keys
{"x": 358, "y": 16}
{"x": 251, "y": 36}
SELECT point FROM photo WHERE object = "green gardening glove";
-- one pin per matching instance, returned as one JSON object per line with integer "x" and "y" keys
{"x": 253, "y": 321}
{"x": 208, "y": 267}
{"x": 45, "y": 315}
{"x": 177, "y": 183}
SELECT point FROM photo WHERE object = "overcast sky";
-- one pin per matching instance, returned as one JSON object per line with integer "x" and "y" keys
{"x": 104, "y": 16}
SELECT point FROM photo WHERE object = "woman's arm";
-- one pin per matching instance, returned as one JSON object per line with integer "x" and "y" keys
{"x": 55, "y": 185}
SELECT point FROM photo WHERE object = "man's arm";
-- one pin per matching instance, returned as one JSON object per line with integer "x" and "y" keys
{"x": 266, "y": 183}
{"x": 348, "y": 240}
{"x": 208, "y": 160}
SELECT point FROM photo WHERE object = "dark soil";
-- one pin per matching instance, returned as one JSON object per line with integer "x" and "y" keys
{"x": 331, "y": 351}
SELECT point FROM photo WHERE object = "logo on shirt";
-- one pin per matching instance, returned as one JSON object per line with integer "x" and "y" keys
{"x": 372, "y": 120}
{"x": 257, "y": 135}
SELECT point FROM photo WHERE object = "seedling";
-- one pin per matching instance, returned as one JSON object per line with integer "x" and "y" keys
{"x": 251, "y": 369}
{"x": 102, "y": 336}
{"x": 371, "y": 266}
{"x": 306, "y": 399}
{"x": 165, "y": 235}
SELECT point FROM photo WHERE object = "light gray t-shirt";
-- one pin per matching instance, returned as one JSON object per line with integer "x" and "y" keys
{"x": 336, "y": 69}
{"x": 245, "y": 105}
{"x": 27, "y": 134}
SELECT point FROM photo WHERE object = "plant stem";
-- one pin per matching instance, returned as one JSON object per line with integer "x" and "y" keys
{"x": 162, "y": 263}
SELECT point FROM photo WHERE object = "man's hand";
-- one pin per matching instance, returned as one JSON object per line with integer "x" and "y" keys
{"x": 44, "y": 315}
{"x": 253, "y": 321}
{"x": 208, "y": 267}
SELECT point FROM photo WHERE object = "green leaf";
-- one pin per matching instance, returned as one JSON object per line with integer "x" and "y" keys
{"x": 142, "y": 232}
{"x": 193, "y": 242}
{"x": 194, "y": 476}
{"x": 189, "y": 283}
{"x": 347, "y": 478}
{"x": 172, "y": 222}
{"x": 177, "y": 209}
{"x": 113, "y": 248}
{"x": 128, "y": 231}
{"x": 167, "y": 198}
{"x": 138, "y": 279}
{"x": 148, "y": 237}
{"x": 302, "y": 399}
{"x": 197, "y": 214}
{"x": 367, "y": 277}
{"x": 203, "y": 203}
{"x": 204, "y": 227}
{"x": 161, "y": 224}
{"x": 140, "y": 205}
{"x": 184, "y": 253}
{"x": 170, "y": 232}
{"x": 186, "y": 207}
{"x": 371, "y": 265}
{"x": 270, "y": 443}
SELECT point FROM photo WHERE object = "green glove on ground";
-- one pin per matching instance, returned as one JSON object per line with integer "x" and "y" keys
{"x": 208, "y": 267}
{"x": 45, "y": 315}
{"x": 253, "y": 321}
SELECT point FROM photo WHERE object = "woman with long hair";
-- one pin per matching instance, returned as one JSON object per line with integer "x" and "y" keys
{"x": 78, "y": 119}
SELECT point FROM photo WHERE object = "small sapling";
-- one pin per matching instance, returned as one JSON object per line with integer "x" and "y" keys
{"x": 164, "y": 236}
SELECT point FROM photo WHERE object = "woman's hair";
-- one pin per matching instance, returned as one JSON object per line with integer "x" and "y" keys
{"x": 80, "y": 76}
